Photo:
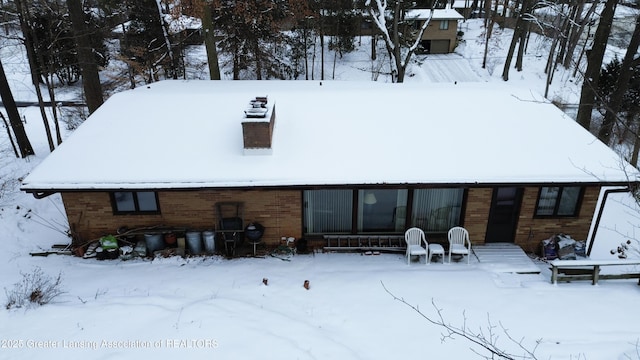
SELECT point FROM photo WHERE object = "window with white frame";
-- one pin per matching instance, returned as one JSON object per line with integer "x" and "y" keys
{"x": 444, "y": 24}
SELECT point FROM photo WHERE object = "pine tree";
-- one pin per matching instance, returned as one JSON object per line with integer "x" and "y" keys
{"x": 253, "y": 37}
{"x": 146, "y": 41}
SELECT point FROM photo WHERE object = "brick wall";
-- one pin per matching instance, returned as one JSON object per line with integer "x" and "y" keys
{"x": 477, "y": 213}
{"x": 258, "y": 134}
{"x": 280, "y": 211}
{"x": 530, "y": 231}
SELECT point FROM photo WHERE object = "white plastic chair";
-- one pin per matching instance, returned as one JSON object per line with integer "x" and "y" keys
{"x": 459, "y": 242}
{"x": 414, "y": 238}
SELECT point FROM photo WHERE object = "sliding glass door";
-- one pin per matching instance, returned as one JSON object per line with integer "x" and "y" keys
{"x": 437, "y": 210}
{"x": 347, "y": 211}
{"x": 382, "y": 210}
{"x": 328, "y": 211}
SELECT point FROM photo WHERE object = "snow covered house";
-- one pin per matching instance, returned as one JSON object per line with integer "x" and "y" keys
{"x": 332, "y": 158}
{"x": 441, "y": 35}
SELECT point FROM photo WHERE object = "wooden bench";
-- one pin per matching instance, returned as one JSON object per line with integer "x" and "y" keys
{"x": 365, "y": 243}
{"x": 568, "y": 270}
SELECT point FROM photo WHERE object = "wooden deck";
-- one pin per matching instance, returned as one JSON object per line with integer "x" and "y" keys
{"x": 505, "y": 257}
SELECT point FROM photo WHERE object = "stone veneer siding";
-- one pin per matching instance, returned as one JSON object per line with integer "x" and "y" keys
{"x": 91, "y": 213}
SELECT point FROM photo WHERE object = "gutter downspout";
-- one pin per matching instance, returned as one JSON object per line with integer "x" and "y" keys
{"x": 599, "y": 217}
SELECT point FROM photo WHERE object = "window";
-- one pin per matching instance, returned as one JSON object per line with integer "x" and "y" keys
{"x": 444, "y": 24}
{"x": 361, "y": 211}
{"x": 382, "y": 210}
{"x": 437, "y": 210}
{"x": 328, "y": 211}
{"x": 558, "y": 201}
{"x": 129, "y": 202}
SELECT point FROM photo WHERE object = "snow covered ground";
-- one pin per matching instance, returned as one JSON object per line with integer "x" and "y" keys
{"x": 210, "y": 307}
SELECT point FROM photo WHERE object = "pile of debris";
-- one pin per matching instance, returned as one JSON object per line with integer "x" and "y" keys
{"x": 111, "y": 247}
{"x": 563, "y": 247}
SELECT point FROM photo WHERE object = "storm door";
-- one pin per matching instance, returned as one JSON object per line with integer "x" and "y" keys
{"x": 503, "y": 215}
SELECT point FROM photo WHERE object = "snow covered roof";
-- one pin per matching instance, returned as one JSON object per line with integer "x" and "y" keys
{"x": 438, "y": 14}
{"x": 181, "y": 23}
{"x": 188, "y": 134}
{"x": 462, "y": 4}
{"x": 176, "y": 24}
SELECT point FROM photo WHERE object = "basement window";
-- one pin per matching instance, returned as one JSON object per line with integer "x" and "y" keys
{"x": 135, "y": 202}
{"x": 558, "y": 201}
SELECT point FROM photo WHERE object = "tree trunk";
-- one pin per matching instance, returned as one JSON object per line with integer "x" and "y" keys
{"x": 14, "y": 117}
{"x": 86, "y": 60}
{"x": 563, "y": 31}
{"x": 305, "y": 37}
{"x": 54, "y": 109}
{"x": 549, "y": 68}
{"x": 8, "y": 127}
{"x": 173, "y": 57}
{"x": 636, "y": 150}
{"x": 489, "y": 31}
{"x": 24, "y": 15}
{"x": 5, "y": 19}
{"x": 507, "y": 61}
{"x": 514, "y": 40}
{"x": 210, "y": 43}
{"x": 594, "y": 65}
{"x": 399, "y": 75}
{"x": 258, "y": 56}
{"x": 236, "y": 62}
{"x": 321, "y": 49}
{"x": 521, "y": 45}
{"x": 373, "y": 47}
{"x": 577, "y": 32}
{"x": 622, "y": 84}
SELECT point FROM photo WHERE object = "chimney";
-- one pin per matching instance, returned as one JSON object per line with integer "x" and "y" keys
{"x": 257, "y": 133}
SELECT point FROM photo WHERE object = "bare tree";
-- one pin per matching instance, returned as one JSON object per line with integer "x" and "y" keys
{"x": 519, "y": 35}
{"x": 631, "y": 59}
{"x": 210, "y": 39}
{"x": 86, "y": 59}
{"x": 488, "y": 32}
{"x": 578, "y": 24}
{"x": 594, "y": 64}
{"x": 487, "y": 339}
{"x": 8, "y": 128}
{"x": 392, "y": 34}
{"x": 29, "y": 39}
{"x": 14, "y": 117}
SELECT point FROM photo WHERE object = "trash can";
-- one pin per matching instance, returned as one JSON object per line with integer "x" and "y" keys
{"x": 154, "y": 242}
{"x": 209, "y": 239}
{"x": 194, "y": 242}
